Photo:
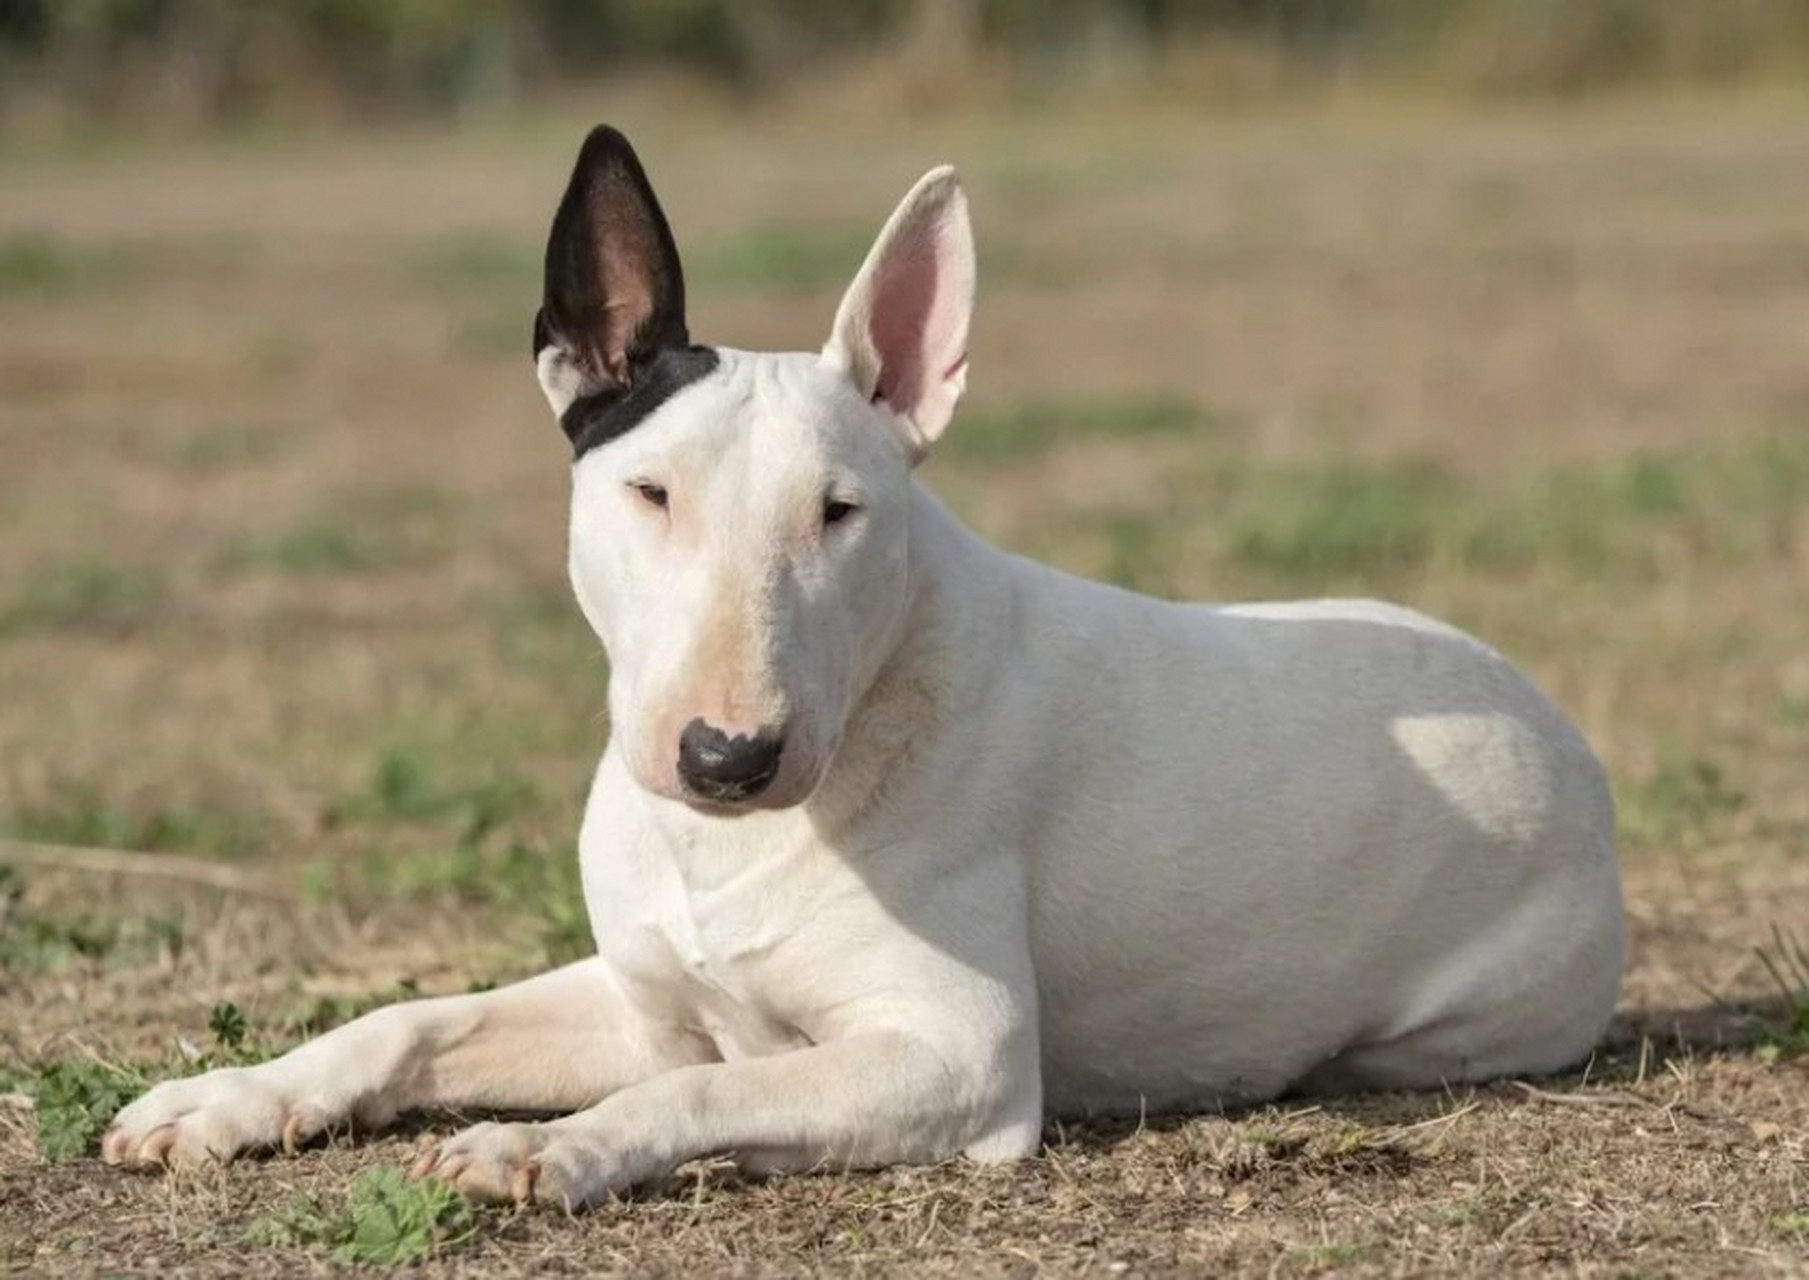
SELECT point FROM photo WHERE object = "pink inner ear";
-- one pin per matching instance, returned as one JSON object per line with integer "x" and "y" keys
{"x": 915, "y": 325}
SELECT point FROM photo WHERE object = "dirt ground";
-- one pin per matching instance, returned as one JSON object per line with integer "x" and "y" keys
{"x": 285, "y": 647}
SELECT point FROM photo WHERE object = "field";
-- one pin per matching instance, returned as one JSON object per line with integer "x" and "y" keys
{"x": 287, "y": 658}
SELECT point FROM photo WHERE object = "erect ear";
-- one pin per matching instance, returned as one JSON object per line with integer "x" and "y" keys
{"x": 615, "y": 293}
{"x": 901, "y": 331}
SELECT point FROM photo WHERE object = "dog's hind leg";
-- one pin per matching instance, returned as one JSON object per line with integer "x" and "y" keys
{"x": 558, "y": 1042}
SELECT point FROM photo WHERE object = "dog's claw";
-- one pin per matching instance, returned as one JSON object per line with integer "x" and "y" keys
{"x": 292, "y": 1134}
{"x": 521, "y": 1185}
{"x": 157, "y": 1146}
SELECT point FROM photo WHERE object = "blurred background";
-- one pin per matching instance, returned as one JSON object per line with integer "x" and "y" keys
{"x": 211, "y": 62}
{"x": 1497, "y": 307}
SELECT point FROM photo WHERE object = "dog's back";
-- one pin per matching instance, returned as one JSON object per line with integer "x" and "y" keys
{"x": 1354, "y": 834}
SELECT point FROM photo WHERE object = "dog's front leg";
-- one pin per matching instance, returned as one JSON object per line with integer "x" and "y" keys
{"x": 557, "y": 1042}
{"x": 873, "y": 1098}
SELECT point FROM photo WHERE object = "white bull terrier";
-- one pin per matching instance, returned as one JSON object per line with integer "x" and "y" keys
{"x": 900, "y": 841}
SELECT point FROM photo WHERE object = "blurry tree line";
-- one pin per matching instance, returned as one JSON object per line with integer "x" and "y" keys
{"x": 213, "y": 59}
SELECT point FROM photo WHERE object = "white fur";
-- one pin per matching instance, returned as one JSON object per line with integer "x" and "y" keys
{"x": 1035, "y": 842}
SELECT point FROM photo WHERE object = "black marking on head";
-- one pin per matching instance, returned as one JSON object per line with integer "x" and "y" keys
{"x": 602, "y": 416}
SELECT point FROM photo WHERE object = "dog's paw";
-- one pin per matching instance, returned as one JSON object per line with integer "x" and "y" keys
{"x": 208, "y": 1118}
{"x": 517, "y": 1163}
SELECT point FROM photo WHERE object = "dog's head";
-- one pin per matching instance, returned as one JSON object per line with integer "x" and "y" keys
{"x": 739, "y": 534}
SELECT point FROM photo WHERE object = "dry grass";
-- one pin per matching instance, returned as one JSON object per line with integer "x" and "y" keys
{"x": 282, "y": 587}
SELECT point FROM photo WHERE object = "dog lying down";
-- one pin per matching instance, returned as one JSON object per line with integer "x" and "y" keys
{"x": 900, "y": 841}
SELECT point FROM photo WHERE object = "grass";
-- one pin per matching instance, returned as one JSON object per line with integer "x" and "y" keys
{"x": 384, "y": 1219}
{"x": 357, "y": 531}
{"x": 39, "y": 264}
{"x": 1341, "y": 519}
{"x": 1019, "y": 432}
{"x": 79, "y": 814}
{"x": 86, "y": 596}
{"x": 475, "y": 261}
{"x": 1683, "y": 802}
{"x": 780, "y": 258}
{"x": 306, "y": 549}
{"x": 74, "y": 1099}
{"x": 34, "y": 942}
{"x": 230, "y": 445}
{"x": 1786, "y": 961}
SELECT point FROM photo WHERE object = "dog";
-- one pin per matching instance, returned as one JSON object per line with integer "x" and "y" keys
{"x": 901, "y": 842}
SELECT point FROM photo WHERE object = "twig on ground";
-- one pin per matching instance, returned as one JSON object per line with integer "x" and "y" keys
{"x": 129, "y": 862}
{"x": 1581, "y": 1099}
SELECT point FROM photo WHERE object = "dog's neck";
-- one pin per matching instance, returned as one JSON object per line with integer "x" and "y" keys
{"x": 955, "y": 581}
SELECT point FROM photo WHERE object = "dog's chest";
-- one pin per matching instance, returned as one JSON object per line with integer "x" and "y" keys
{"x": 693, "y": 960}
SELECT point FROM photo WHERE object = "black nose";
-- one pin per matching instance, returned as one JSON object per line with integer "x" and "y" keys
{"x": 718, "y": 767}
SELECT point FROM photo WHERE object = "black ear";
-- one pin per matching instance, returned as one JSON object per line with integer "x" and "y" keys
{"x": 615, "y": 293}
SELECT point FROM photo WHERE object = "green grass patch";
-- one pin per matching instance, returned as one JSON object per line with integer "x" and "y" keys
{"x": 227, "y": 445}
{"x": 357, "y": 531}
{"x": 40, "y": 264}
{"x": 1020, "y": 431}
{"x": 384, "y": 1219}
{"x": 487, "y": 261}
{"x": 1679, "y": 804}
{"x": 85, "y": 596}
{"x": 1340, "y": 519}
{"x": 33, "y": 940}
{"x": 780, "y": 258}
{"x": 448, "y": 840}
{"x": 405, "y": 787}
{"x": 75, "y": 1098}
{"x": 505, "y": 330}
{"x": 1353, "y": 523}
{"x": 78, "y": 814}
{"x": 306, "y": 549}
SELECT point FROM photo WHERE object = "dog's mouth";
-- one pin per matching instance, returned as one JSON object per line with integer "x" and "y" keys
{"x": 735, "y": 802}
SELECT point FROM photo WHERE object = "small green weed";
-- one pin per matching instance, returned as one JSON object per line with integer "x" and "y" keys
{"x": 386, "y": 1219}
{"x": 75, "y": 1098}
{"x": 90, "y": 596}
{"x": 1787, "y": 961}
{"x": 1795, "y": 1223}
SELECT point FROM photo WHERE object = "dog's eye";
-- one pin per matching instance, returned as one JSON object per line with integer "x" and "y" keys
{"x": 654, "y": 494}
{"x": 835, "y": 510}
